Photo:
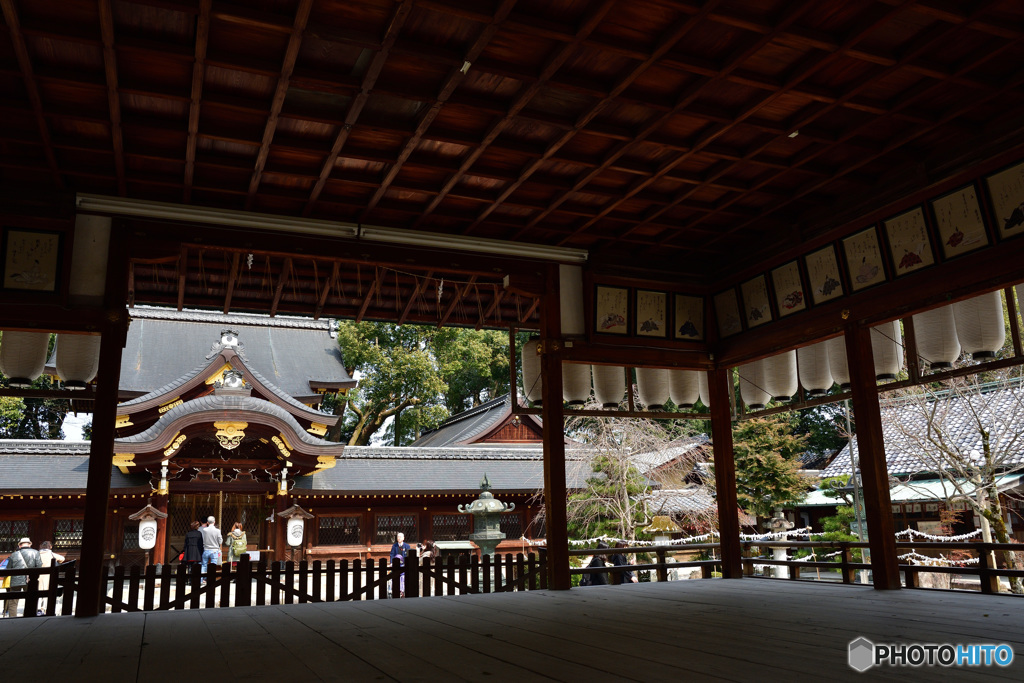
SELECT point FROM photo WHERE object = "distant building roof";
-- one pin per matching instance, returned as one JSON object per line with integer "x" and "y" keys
{"x": 27, "y": 465}
{"x": 163, "y": 345}
{"x": 904, "y": 429}
{"x": 371, "y": 469}
{"x": 653, "y": 460}
{"x": 473, "y": 424}
{"x": 690, "y": 500}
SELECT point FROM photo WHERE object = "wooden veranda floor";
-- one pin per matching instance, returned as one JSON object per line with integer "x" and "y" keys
{"x": 742, "y": 630}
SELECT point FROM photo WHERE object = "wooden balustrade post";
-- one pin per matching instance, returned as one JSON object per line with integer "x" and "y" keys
{"x": 989, "y": 580}
{"x": 662, "y": 571}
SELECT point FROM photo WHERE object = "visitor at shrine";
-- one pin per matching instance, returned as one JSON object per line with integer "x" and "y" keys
{"x": 192, "y": 554}
{"x": 399, "y": 550}
{"x": 212, "y": 542}
{"x": 620, "y": 560}
{"x": 237, "y": 543}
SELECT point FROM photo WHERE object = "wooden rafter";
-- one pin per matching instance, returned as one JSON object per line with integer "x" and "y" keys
{"x": 459, "y": 295}
{"x": 198, "y": 76}
{"x": 522, "y": 99}
{"x": 359, "y": 101}
{"x": 485, "y": 315}
{"x": 27, "y": 74}
{"x": 455, "y": 76}
{"x": 282, "y": 280}
{"x": 182, "y": 276}
{"x": 377, "y": 282}
{"x": 236, "y": 258}
{"x": 326, "y": 291}
{"x": 531, "y": 310}
{"x": 113, "y": 96}
{"x": 417, "y": 291}
{"x": 291, "y": 54}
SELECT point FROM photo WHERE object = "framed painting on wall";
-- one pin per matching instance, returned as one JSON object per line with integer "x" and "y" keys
{"x": 823, "y": 274}
{"x": 32, "y": 260}
{"x": 1006, "y": 196}
{"x": 756, "y": 307}
{"x": 727, "y": 312}
{"x": 959, "y": 222}
{"x": 909, "y": 242}
{"x": 611, "y": 310}
{"x": 864, "y": 259}
{"x": 688, "y": 322}
{"x": 651, "y": 314}
{"x": 790, "y": 296}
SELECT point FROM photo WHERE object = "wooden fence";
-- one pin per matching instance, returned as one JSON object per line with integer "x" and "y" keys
{"x": 184, "y": 587}
{"x": 32, "y": 600}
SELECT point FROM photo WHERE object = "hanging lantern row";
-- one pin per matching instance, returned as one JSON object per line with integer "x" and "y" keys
{"x": 23, "y": 357}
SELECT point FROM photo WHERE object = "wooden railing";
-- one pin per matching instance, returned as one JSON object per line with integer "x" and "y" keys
{"x": 660, "y": 567}
{"x": 33, "y": 600}
{"x": 183, "y": 587}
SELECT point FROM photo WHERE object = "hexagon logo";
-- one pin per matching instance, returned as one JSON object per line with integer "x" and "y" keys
{"x": 862, "y": 654}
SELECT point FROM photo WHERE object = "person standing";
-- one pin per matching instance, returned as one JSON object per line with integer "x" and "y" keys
{"x": 212, "y": 542}
{"x": 25, "y": 557}
{"x": 237, "y": 543}
{"x": 598, "y": 578}
{"x": 399, "y": 549}
{"x": 49, "y": 559}
{"x": 620, "y": 560}
{"x": 193, "y": 552}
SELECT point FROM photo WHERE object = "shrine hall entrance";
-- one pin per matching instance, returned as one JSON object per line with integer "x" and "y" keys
{"x": 251, "y": 509}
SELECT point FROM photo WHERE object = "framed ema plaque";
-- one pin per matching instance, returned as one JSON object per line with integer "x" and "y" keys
{"x": 651, "y": 314}
{"x": 909, "y": 242}
{"x": 611, "y": 310}
{"x": 823, "y": 274}
{"x": 727, "y": 312}
{"x": 1006, "y": 196}
{"x": 959, "y": 222}
{"x": 756, "y": 307}
{"x": 32, "y": 260}
{"x": 688, "y": 321}
{"x": 864, "y": 259}
{"x": 790, "y": 295}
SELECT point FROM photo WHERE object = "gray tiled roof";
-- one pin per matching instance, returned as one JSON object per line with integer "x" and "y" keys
{"x": 53, "y": 466}
{"x": 1002, "y": 411}
{"x": 690, "y": 500}
{"x": 450, "y": 470}
{"x": 164, "y": 344}
{"x": 652, "y": 460}
{"x": 463, "y": 427}
{"x": 215, "y": 403}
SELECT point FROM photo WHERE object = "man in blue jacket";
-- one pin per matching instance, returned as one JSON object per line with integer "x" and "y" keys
{"x": 399, "y": 550}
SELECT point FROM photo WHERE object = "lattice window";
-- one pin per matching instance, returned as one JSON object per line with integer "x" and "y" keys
{"x": 450, "y": 527}
{"x": 67, "y": 533}
{"x": 339, "y": 531}
{"x": 131, "y": 537}
{"x": 389, "y": 525}
{"x": 511, "y": 525}
{"x": 11, "y": 530}
{"x": 537, "y": 528}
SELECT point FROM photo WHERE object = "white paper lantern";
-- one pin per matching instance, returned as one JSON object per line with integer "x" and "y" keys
{"x": 533, "y": 384}
{"x": 813, "y": 368}
{"x": 935, "y": 333}
{"x": 23, "y": 356}
{"x": 702, "y": 388}
{"x": 980, "y": 325}
{"x": 887, "y": 349}
{"x": 575, "y": 383}
{"x": 78, "y": 359}
{"x": 780, "y": 378}
{"x": 683, "y": 388}
{"x": 837, "y": 363}
{"x": 752, "y": 385}
{"x": 570, "y": 290}
{"x": 294, "y": 531}
{"x": 652, "y": 387}
{"x": 609, "y": 385}
{"x": 147, "y": 534}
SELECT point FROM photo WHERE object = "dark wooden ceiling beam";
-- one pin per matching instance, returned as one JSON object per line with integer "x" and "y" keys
{"x": 282, "y": 280}
{"x": 232, "y": 280}
{"x": 531, "y": 310}
{"x": 456, "y": 75}
{"x": 291, "y": 54}
{"x": 417, "y": 292}
{"x": 196, "y": 96}
{"x": 928, "y": 40}
{"x": 688, "y": 96}
{"x": 25, "y": 65}
{"x": 377, "y": 282}
{"x": 355, "y": 108}
{"x": 460, "y": 294}
{"x": 113, "y": 96}
{"x": 522, "y": 99}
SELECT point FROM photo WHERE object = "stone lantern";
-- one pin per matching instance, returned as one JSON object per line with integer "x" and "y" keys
{"x": 779, "y": 524}
{"x": 486, "y": 511}
{"x": 662, "y": 528}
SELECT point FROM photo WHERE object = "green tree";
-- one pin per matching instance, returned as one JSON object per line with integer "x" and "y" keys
{"x": 768, "y": 473}
{"x": 32, "y": 418}
{"x": 474, "y": 365}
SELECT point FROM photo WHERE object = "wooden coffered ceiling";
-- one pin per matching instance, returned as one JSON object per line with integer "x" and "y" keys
{"x": 696, "y": 137}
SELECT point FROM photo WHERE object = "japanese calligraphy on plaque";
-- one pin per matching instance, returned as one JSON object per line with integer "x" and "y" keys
{"x": 789, "y": 289}
{"x": 959, "y": 222}
{"x": 31, "y": 260}
{"x": 651, "y": 313}
{"x": 864, "y": 259}
{"x": 611, "y": 310}
{"x": 755, "y": 301}
{"x": 909, "y": 243}
{"x": 1006, "y": 193}
{"x": 823, "y": 275}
